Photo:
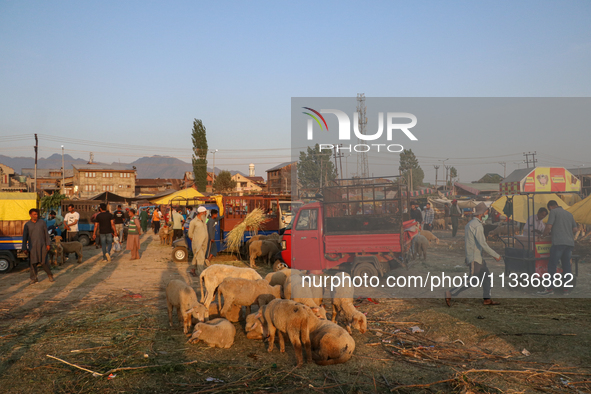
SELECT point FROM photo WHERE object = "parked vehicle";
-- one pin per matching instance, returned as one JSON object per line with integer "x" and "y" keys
{"x": 359, "y": 227}
{"x": 86, "y": 208}
{"x": 14, "y": 213}
{"x": 234, "y": 210}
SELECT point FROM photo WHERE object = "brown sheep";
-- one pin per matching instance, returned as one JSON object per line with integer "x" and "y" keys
{"x": 265, "y": 249}
{"x": 66, "y": 248}
{"x": 430, "y": 236}
{"x": 342, "y": 305}
{"x": 331, "y": 344}
{"x": 294, "y": 319}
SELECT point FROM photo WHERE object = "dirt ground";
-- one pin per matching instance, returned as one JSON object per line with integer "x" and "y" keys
{"x": 111, "y": 319}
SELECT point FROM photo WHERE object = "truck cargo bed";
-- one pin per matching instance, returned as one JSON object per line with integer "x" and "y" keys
{"x": 362, "y": 243}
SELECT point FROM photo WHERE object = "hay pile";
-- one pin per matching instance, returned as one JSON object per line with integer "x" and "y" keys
{"x": 252, "y": 222}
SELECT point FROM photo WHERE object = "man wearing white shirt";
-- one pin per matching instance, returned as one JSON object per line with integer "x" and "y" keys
{"x": 71, "y": 223}
{"x": 534, "y": 224}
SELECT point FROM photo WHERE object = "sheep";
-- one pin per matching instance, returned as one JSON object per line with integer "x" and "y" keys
{"x": 215, "y": 333}
{"x": 331, "y": 344}
{"x": 420, "y": 246}
{"x": 278, "y": 278}
{"x": 65, "y": 248}
{"x": 181, "y": 296}
{"x": 430, "y": 236}
{"x": 439, "y": 224}
{"x": 255, "y": 327}
{"x": 265, "y": 249}
{"x": 165, "y": 235}
{"x": 212, "y": 276}
{"x": 303, "y": 293}
{"x": 294, "y": 319}
{"x": 244, "y": 292}
{"x": 233, "y": 314}
{"x": 342, "y": 305}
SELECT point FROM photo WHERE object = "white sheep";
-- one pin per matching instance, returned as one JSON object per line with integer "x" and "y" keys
{"x": 212, "y": 276}
{"x": 181, "y": 296}
{"x": 342, "y": 305}
{"x": 215, "y": 333}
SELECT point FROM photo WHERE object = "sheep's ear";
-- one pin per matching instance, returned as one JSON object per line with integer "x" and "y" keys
{"x": 315, "y": 309}
{"x": 259, "y": 314}
{"x": 190, "y": 310}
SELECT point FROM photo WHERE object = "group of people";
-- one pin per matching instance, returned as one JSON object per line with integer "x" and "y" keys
{"x": 561, "y": 226}
{"x": 110, "y": 225}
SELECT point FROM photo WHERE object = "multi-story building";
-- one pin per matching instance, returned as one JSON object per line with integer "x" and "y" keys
{"x": 279, "y": 178}
{"x": 246, "y": 185}
{"x": 92, "y": 179}
{"x": 49, "y": 181}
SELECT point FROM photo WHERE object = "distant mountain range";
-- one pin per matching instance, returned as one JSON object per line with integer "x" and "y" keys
{"x": 147, "y": 167}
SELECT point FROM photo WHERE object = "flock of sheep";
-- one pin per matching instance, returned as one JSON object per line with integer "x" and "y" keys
{"x": 287, "y": 307}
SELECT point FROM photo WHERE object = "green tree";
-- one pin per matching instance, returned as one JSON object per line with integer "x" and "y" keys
{"x": 52, "y": 202}
{"x": 199, "y": 138}
{"x": 223, "y": 182}
{"x": 490, "y": 178}
{"x": 315, "y": 168}
{"x": 408, "y": 162}
{"x": 453, "y": 174}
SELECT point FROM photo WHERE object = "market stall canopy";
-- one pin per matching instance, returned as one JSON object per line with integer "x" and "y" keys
{"x": 111, "y": 197}
{"x": 15, "y": 205}
{"x": 181, "y": 197}
{"x": 520, "y": 205}
{"x": 582, "y": 211}
{"x": 540, "y": 180}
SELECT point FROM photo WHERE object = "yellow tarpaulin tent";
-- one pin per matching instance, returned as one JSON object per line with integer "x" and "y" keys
{"x": 582, "y": 211}
{"x": 15, "y": 206}
{"x": 571, "y": 199}
{"x": 520, "y": 207}
{"x": 189, "y": 194}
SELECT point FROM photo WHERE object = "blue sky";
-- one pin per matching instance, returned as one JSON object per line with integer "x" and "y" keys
{"x": 138, "y": 72}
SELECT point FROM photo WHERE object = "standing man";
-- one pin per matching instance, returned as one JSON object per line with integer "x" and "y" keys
{"x": 71, "y": 223}
{"x": 59, "y": 223}
{"x": 415, "y": 213}
{"x": 36, "y": 244}
{"x": 212, "y": 247}
{"x": 177, "y": 224}
{"x": 475, "y": 245}
{"x": 561, "y": 224}
{"x": 199, "y": 238}
{"x": 144, "y": 220}
{"x": 119, "y": 218}
{"x": 455, "y": 213}
{"x": 156, "y": 220}
{"x": 106, "y": 227}
{"x": 535, "y": 225}
{"x": 429, "y": 217}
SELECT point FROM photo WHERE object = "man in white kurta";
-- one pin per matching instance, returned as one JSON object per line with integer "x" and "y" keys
{"x": 199, "y": 237}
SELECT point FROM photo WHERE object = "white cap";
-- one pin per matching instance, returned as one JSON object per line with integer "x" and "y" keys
{"x": 201, "y": 209}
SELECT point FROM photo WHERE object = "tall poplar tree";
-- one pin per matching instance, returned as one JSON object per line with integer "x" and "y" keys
{"x": 199, "y": 138}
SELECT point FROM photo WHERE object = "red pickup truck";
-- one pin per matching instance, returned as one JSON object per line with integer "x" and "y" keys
{"x": 358, "y": 227}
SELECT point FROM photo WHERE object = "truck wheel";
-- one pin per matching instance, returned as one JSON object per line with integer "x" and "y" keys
{"x": 84, "y": 240}
{"x": 365, "y": 269}
{"x": 179, "y": 254}
{"x": 6, "y": 264}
